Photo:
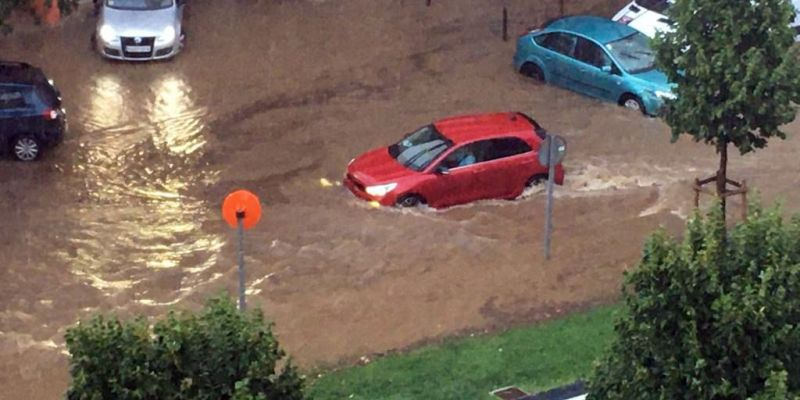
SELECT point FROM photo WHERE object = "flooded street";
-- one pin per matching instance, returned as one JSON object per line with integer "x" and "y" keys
{"x": 276, "y": 97}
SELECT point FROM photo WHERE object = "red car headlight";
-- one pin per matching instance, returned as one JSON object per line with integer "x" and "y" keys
{"x": 380, "y": 190}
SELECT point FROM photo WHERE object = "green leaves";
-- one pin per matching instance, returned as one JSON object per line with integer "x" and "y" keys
{"x": 737, "y": 76}
{"x": 708, "y": 318}
{"x": 105, "y": 342}
{"x": 6, "y": 7}
{"x": 218, "y": 353}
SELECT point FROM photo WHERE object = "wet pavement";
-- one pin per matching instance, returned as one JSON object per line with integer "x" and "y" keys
{"x": 276, "y": 97}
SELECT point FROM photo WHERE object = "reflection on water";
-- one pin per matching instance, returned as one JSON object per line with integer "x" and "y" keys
{"x": 176, "y": 120}
{"x": 137, "y": 166}
{"x": 107, "y": 108}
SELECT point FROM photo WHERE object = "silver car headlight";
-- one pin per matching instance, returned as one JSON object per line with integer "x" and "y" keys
{"x": 168, "y": 35}
{"x": 107, "y": 33}
{"x": 665, "y": 95}
{"x": 380, "y": 190}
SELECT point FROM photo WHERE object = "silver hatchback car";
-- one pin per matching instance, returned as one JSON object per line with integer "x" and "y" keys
{"x": 140, "y": 30}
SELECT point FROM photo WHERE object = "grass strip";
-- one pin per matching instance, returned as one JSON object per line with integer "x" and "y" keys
{"x": 533, "y": 358}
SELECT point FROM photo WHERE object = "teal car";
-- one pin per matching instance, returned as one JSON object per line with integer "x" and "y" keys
{"x": 596, "y": 57}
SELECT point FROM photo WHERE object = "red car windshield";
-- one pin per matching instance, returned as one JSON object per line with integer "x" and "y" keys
{"x": 418, "y": 149}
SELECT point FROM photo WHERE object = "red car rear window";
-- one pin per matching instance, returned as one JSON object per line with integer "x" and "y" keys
{"x": 540, "y": 132}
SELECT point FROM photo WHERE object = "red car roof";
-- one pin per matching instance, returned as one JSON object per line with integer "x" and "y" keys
{"x": 481, "y": 126}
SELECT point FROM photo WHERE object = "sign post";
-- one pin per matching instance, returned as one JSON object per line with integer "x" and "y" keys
{"x": 241, "y": 210}
{"x": 551, "y": 152}
{"x": 240, "y": 233}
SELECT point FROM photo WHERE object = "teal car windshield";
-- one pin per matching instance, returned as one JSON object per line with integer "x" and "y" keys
{"x": 633, "y": 53}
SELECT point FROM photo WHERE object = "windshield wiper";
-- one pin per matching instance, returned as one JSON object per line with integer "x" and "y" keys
{"x": 421, "y": 153}
{"x": 410, "y": 159}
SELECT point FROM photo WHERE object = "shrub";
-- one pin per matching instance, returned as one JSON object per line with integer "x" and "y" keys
{"x": 715, "y": 316}
{"x": 219, "y": 353}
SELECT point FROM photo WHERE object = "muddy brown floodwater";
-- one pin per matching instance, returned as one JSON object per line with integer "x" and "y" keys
{"x": 276, "y": 97}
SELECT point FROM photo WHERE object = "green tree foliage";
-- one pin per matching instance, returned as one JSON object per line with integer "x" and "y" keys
{"x": 217, "y": 354}
{"x": 6, "y": 7}
{"x": 710, "y": 317}
{"x": 737, "y": 75}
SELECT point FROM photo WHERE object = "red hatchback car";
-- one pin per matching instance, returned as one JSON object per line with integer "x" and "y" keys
{"x": 454, "y": 161}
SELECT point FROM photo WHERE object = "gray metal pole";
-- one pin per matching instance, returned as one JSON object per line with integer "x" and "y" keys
{"x": 549, "y": 207}
{"x": 240, "y": 231}
{"x": 505, "y": 24}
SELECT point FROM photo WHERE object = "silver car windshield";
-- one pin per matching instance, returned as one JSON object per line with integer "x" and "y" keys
{"x": 633, "y": 53}
{"x": 139, "y": 4}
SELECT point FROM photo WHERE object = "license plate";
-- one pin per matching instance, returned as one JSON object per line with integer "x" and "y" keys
{"x": 138, "y": 49}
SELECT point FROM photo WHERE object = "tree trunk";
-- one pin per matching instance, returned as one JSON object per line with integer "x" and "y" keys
{"x": 49, "y": 13}
{"x": 722, "y": 174}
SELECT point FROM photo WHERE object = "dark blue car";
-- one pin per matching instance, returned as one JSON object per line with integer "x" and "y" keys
{"x": 596, "y": 57}
{"x": 31, "y": 116}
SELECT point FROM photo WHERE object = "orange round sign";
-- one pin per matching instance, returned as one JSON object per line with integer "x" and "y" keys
{"x": 244, "y": 202}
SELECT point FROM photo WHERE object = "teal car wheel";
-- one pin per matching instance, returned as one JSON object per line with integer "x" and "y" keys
{"x": 532, "y": 70}
{"x": 632, "y": 102}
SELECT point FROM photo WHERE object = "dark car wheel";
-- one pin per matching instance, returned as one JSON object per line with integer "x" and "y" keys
{"x": 26, "y": 148}
{"x": 532, "y": 70}
{"x": 536, "y": 180}
{"x": 410, "y": 200}
{"x": 632, "y": 102}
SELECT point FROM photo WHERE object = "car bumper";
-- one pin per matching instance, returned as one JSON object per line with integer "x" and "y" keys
{"x": 518, "y": 60}
{"x": 358, "y": 189}
{"x": 158, "y": 52}
{"x": 53, "y": 134}
{"x": 653, "y": 104}
{"x": 559, "y": 178}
